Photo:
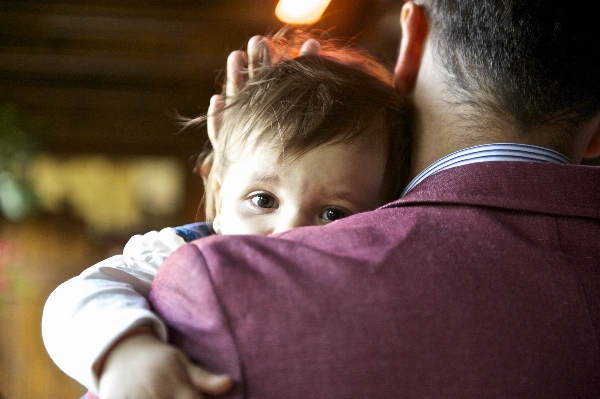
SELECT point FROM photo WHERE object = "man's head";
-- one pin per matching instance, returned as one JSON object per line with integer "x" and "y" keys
{"x": 523, "y": 67}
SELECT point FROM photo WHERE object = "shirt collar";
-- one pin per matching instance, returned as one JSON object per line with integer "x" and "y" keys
{"x": 489, "y": 153}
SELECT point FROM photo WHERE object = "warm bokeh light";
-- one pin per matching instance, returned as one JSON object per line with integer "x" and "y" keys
{"x": 300, "y": 11}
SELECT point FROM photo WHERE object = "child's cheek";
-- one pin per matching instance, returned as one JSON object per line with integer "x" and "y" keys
{"x": 239, "y": 218}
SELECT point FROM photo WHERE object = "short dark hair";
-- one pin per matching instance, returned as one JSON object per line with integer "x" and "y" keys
{"x": 533, "y": 61}
{"x": 304, "y": 102}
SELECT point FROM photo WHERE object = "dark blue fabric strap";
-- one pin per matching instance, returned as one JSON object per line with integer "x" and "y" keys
{"x": 194, "y": 231}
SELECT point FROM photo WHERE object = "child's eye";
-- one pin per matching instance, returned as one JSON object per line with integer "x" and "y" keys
{"x": 332, "y": 214}
{"x": 263, "y": 201}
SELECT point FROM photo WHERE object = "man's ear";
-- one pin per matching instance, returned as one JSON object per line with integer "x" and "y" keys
{"x": 593, "y": 147}
{"x": 415, "y": 28}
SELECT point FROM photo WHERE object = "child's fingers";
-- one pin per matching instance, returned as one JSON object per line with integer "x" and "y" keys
{"x": 207, "y": 382}
{"x": 258, "y": 54}
{"x": 213, "y": 119}
{"x": 241, "y": 65}
{"x": 310, "y": 47}
{"x": 237, "y": 64}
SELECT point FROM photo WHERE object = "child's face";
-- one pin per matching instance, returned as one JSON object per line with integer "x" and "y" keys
{"x": 262, "y": 195}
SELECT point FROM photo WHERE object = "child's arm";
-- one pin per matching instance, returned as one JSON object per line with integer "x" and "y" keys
{"x": 100, "y": 308}
{"x": 85, "y": 316}
{"x": 144, "y": 367}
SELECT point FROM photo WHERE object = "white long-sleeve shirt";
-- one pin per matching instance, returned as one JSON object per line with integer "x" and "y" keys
{"x": 85, "y": 315}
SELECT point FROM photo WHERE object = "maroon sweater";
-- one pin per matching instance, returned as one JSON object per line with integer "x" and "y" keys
{"x": 483, "y": 282}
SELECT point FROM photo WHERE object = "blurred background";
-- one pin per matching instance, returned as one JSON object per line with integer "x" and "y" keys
{"x": 89, "y": 150}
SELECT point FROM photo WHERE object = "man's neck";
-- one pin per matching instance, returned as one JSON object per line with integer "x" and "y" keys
{"x": 431, "y": 142}
{"x": 439, "y": 129}
{"x": 436, "y": 131}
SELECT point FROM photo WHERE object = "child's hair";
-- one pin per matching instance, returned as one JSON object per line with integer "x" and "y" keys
{"x": 301, "y": 102}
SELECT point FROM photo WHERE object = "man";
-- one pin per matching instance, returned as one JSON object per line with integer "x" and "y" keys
{"x": 482, "y": 281}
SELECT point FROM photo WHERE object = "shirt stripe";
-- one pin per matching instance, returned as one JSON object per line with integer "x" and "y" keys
{"x": 499, "y": 152}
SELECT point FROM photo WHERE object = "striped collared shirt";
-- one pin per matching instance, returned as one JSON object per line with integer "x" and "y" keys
{"x": 489, "y": 153}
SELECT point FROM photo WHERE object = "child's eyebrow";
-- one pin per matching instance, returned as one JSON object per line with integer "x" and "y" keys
{"x": 264, "y": 177}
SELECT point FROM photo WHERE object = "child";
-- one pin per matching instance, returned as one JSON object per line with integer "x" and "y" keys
{"x": 308, "y": 140}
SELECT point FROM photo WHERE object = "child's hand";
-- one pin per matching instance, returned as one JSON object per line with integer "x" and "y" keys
{"x": 241, "y": 67}
{"x": 144, "y": 367}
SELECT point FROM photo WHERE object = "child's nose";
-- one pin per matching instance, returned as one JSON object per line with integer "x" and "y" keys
{"x": 291, "y": 221}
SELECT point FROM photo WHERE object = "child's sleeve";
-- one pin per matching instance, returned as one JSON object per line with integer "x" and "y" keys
{"x": 85, "y": 315}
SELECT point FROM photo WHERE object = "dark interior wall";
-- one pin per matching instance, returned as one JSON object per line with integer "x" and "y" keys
{"x": 106, "y": 77}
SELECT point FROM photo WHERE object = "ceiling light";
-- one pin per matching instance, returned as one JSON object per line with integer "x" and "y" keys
{"x": 300, "y": 11}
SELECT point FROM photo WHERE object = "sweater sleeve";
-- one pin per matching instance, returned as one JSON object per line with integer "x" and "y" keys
{"x": 85, "y": 315}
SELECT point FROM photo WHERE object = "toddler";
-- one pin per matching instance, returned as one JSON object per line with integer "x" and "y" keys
{"x": 308, "y": 140}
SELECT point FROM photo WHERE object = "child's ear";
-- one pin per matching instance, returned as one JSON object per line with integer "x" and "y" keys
{"x": 212, "y": 188}
{"x": 213, "y": 120}
{"x": 216, "y": 224}
{"x": 593, "y": 147}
